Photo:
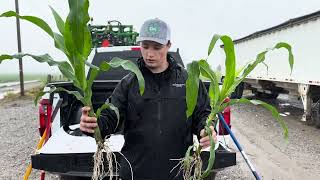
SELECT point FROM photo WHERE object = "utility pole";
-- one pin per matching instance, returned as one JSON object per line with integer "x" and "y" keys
{"x": 19, "y": 50}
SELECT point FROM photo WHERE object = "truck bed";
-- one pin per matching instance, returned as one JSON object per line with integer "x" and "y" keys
{"x": 66, "y": 154}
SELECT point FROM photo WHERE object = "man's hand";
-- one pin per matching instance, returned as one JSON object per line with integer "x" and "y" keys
{"x": 205, "y": 140}
{"x": 87, "y": 124}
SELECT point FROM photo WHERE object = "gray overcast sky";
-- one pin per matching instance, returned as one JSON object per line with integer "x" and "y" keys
{"x": 192, "y": 22}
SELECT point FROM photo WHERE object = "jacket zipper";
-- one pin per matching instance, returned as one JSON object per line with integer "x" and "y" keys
{"x": 159, "y": 113}
{"x": 158, "y": 84}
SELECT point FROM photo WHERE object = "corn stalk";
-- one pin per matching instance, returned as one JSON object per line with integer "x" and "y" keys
{"x": 232, "y": 79}
{"x": 74, "y": 40}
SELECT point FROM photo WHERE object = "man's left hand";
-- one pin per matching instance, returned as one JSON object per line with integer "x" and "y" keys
{"x": 205, "y": 140}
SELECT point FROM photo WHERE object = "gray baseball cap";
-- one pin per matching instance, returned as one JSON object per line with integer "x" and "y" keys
{"x": 155, "y": 30}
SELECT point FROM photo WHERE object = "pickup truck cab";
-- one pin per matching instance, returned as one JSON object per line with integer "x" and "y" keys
{"x": 67, "y": 151}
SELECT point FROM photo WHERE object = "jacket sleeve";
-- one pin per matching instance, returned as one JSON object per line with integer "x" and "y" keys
{"x": 201, "y": 111}
{"x": 108, "y": 121}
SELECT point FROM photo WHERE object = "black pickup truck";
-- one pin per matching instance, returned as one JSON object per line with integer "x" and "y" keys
{"x": 67, "y": 151}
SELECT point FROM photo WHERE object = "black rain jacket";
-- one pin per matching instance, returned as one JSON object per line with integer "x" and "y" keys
{"x": 156, "y": 129}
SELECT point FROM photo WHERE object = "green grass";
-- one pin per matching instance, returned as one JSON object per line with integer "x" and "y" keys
{"x": 27, "y": 77}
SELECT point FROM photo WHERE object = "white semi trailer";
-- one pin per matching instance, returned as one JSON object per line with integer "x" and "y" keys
{"x": 303, "y": 34}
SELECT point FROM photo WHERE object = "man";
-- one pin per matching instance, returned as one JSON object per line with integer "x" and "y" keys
{"x": 156, "y": 129}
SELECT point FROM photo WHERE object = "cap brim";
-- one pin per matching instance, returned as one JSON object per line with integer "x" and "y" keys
{"x": 160, "y": 41}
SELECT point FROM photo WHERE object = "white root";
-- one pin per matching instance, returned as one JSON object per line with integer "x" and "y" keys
{"x": 191, "y": 167}
{"x": 98, "y": 158}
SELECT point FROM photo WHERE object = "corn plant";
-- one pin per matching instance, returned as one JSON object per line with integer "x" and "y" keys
{"x": 192, "y": 164}
{"x": 74, "y": 40}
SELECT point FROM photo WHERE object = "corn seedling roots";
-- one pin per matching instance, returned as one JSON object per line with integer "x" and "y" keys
{"x": 191, "y": 167}
{"x": 98, "y": 168}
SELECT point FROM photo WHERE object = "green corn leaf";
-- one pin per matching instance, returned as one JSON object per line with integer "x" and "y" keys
{"x": 130, "y": 66}
{"x": 68, "y": 72}
{"x": 260, "y": 59}
{"x": 76, "y": 61}
{"x": 35, "y": 20}
{"x": 59, "y": 20}
{"x": 214, "y": 91}
{"x": 69, "y": 42}
{"x": 232, "y": 88}
{"x": 213, "y": 42}
{"x": 269, "y": 107}
{"x": 5, "y": 57}
{"x": 116, "y": 110}
{"x": 192, "y": 86}
{"x": 88, "y": 96}
{"x": 77, "y": 34}
{"x": 91, "y": 65}
{"x": 88, "y": 90}
{"x": 75, "y": 93}
{"x": 41, "y": 24}
{"x": 38, "y": 96}
{"x": 288, "y": 47}
{"x": 60, "y": 89}
{"x": 63, "y": 66}
{"x": 104, "y": 66}
{"x": 46, "y": 58}
{"x": 99, "y": 110}
{"x": 212, "y": 94}
{"x": 230, "y": 64}
{"x": 80, "y": 72}
{"x": 87, "y": 43}
{"x": 59, "y": 43}
{"x": 78, "y": 38}
{"x": 208, "y": 170}
{"x": 239, "y": 71}
{"x": 202, "y": 78}
{"x": 109, "y": 106}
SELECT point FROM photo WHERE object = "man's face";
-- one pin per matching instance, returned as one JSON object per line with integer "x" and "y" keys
{"x": 154, "y": 54}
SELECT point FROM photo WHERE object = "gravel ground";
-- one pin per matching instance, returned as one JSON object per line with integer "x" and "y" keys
{"x": 18, "y": 136}
{"x": 254, "y": 127}
{"x": 262, "y": 139}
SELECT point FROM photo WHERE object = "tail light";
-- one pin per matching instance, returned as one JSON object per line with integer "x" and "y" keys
{"x": 45, "y": 110}
{"x": 135, "y": 49}
{"x": 227, "y": 117}
{"x": 105, "y": 43}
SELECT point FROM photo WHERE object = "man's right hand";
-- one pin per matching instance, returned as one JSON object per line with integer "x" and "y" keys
{"x": 87, "y": 124}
